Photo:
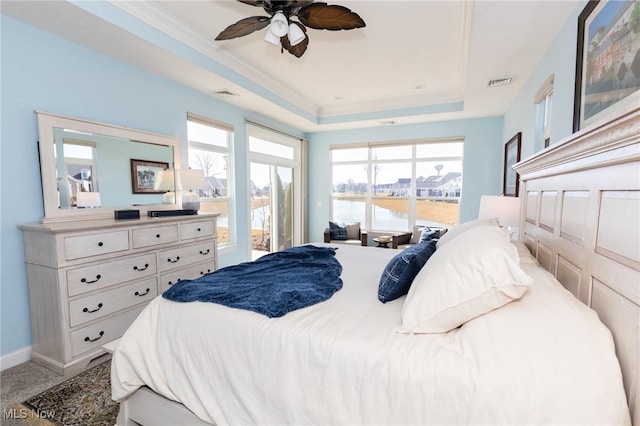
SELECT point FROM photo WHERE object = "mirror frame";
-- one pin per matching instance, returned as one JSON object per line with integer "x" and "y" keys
{"x": 47, "y": 122}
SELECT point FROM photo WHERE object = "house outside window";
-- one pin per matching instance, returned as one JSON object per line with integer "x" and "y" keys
{"x": 391, "y": 187}
{"x": 210, "y": 145}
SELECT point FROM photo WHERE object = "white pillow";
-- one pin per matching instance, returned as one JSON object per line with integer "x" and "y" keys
{"x": 353, "y": 230}
{"x": 464, "y": 227}
{"x": 472, "y": 275}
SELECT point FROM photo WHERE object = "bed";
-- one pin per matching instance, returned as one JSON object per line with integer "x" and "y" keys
{"x": 561, "y": 348}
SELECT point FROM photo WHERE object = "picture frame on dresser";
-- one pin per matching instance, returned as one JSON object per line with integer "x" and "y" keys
{"x": 510, "y": 184}
{"x": 144, "y": 175}
{"x": 607, "y": 76}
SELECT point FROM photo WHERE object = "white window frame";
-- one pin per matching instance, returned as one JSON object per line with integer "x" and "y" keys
{"x": 543, "y": 102}
{"x": 412, "y": 162}
{"x": 231, "y": 245}
{"x": 297, "y": 163}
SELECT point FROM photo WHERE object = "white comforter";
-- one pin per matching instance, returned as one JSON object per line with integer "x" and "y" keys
{"x": 545, "y": 359}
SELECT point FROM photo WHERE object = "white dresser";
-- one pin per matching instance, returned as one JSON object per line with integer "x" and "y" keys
{"x": 89, "y": 279}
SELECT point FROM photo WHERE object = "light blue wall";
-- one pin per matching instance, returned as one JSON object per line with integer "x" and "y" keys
{"x": 481, "y": 166}
{"x": 560, "y": 60}
{"x": 41, "y": 71}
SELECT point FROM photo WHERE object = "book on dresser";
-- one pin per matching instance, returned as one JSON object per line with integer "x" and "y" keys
{"x": 88, "y": 280}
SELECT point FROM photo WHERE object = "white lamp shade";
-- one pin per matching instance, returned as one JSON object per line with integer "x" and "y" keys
{"x": 88, "y": 199}
{"x": 191, "y": 179}
{"x": 269, "y": 37}
{"x": 164, "y": 181}
{"x": 279, "y": 24}
{"x": 505, "y": 209}
{"x": 296, "y": 35}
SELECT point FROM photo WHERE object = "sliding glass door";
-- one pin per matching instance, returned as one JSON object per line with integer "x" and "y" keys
{"x": 272, "y": 213}
{"x": 275, "y": 192}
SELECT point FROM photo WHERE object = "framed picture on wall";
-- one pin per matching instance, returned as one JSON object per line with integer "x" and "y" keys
{"x": 510, "y": 184}
{"x": 144, "y": 174}
{"x": 607, "y": 82}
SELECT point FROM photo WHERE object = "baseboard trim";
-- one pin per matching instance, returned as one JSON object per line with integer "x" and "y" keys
{"x": 14, "y": 358}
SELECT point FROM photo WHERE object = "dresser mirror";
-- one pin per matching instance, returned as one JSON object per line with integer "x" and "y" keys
{"x": 90, "y": 169}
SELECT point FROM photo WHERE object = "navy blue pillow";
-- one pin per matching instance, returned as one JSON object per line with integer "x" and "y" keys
{"x": 399, "y": 273}
{"x": 428, "y": 234}
{"x": 337, "y": 232}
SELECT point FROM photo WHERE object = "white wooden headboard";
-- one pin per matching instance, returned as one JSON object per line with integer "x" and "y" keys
{"x": 581, "y": 220}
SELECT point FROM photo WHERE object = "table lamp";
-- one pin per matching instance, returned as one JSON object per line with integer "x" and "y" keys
{"x": 505, "y": 209}
{"x": 88, "y": 200}
{"x": 165, "y": 181}
{"x": 191, "y": 180}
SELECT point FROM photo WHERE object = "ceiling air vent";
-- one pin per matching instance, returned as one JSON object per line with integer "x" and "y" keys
{"x": 224, "y": 92}
{"x": 499, "y": 82}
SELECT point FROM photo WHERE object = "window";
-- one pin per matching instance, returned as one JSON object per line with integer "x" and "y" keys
{"x": 391, "y": 187}
{"x": 79, "y": 165}
{"x": 210, "y": 145}
{"x": 543, "y": 113}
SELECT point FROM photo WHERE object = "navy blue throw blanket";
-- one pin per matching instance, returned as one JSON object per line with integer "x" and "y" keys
{"x": 273, "y": 285}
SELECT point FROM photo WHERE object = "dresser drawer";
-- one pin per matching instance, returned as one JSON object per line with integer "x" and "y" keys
{"x": 99, "y": 305}
{"x": 146, "y": 237}
{"x": 81, "y": 246}
{"x": 96, "y": 335}
{"x": 189, "y": 273}
{"x": 203, "y": 228}
{"x": 89, "y": 278}
{"x": 186, "y": 255}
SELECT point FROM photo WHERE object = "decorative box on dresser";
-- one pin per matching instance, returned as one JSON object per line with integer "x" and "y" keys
{"x": 89, "y": 279}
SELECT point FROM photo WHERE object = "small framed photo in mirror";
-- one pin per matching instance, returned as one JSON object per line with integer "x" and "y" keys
{"x": 144, "y": 174}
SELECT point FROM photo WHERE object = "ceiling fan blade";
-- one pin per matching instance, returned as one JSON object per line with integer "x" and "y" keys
{"x": 321, "y": 16}
{"x": 243, "y": 27}
{"x": 258, "y": 3}
{"x": 299, "y": 49}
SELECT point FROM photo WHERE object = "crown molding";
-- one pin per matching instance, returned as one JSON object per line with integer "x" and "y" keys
{"x": 406, "y": 102}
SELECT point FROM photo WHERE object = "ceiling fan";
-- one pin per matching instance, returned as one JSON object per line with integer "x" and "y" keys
{"x": 287, "y": 33}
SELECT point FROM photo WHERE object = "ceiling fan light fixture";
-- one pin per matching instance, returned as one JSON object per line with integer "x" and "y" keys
{"x": 269, "y": 37}
{"x": 292, "y": 35}
{"x": 279, "y": 24}
{"x": 296, "y": 35}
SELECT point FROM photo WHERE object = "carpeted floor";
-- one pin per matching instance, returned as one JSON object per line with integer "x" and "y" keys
{"x": 83, "y": 400}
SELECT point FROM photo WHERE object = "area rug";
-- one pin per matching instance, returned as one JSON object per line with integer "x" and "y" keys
{"x": 83, "y": 400}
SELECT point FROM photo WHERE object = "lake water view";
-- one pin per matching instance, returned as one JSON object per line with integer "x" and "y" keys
{"x": 383, "y": 219}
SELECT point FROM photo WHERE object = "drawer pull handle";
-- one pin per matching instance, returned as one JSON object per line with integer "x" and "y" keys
{"x": 84, "y": 280}
{"x": 88, "y": 339}
{"x": 143, "y": 294}
{"x": 171, "y": 283}
{"x": 94, "y": 310}
{"x": 144, "y": 268}
{"x": 199, "y": 229}
{"x": 204, "y": 253}
{"x": 173, "y": 261}
{"x": 202, "y": 273}
{"x": 157, "y": 235}
{"x": 100, "y": 244}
